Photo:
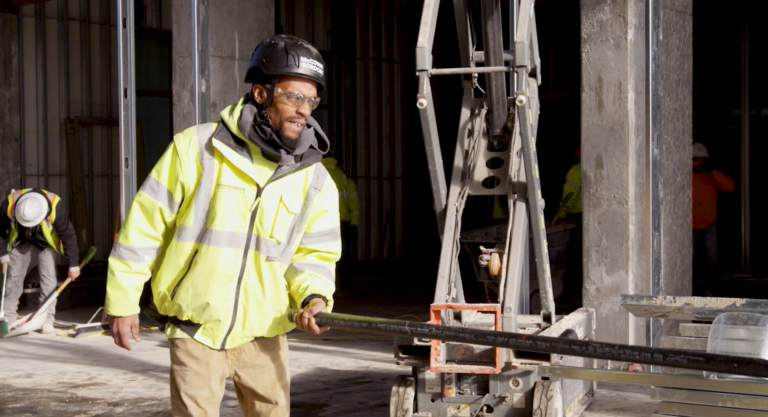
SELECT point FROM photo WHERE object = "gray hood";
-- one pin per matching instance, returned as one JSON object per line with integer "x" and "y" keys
{"x": 256, "y": 127}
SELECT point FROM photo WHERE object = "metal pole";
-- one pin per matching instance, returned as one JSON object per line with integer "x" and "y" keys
{"x": 653, "y": 162}
{"x": 195, "y": 66}
{"x": 86, "y": 91}
{"x": 127, "y": 107}
{"x": 527, "y": 116}
{"x": 200, "y": 69}
{"x": 22, "y": 124}
{"x": 513, "y": 15}
{"x": 551, "y": 345}
{"x": 42, "y": 90}
{"x": 63, "y": 70}
{"x": 427, "y": 112}
{"x": 473, "y": 70}
{"x": 432, "y": 145}
{"x": 745, "y": 223}
{"x": 107, "y": 185}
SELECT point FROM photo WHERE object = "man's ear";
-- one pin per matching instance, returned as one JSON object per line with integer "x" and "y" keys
{"x": 259, "y": 93}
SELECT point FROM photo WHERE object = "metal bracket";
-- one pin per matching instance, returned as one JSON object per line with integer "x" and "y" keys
{"x": 439, "y": 354}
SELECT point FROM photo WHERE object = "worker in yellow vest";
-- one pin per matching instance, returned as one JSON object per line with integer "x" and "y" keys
{"x": 32, "y": 221}
{"x": 570, "y": 208}
{"x": 349, "y": 214}
{"x": 237, "y": 223}
{"x": 571, "y": 201}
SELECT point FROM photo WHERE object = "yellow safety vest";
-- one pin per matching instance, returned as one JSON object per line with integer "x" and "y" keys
{"x": 573, "y": 186}
{"x": 46, "y": 225}
{"x": 231, "y": 242}
{"x": 349, "y": 205}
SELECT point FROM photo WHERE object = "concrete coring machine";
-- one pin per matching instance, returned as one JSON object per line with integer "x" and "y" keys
{"x": 495, "y": 359}
{"x": 495, "y": 155}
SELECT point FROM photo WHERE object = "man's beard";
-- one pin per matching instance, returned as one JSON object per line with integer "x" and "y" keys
{"x": 288, "y": 143}
{"x": 698, "y": 169}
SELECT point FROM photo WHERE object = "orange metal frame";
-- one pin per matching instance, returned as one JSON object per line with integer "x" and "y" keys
{"x": 434, "y": 356}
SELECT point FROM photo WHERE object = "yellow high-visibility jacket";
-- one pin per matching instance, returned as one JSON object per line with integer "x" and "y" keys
{"x": 349, "y": 205}
{"x": 231, "y": 241}
{"x": 573, "y": 186}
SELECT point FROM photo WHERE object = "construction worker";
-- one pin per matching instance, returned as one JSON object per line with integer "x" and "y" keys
{"x": 32, "y": 221}
{"x": 349, "y": 213}
{"x": 571, "y": 201}
{"x": 237, "y": 223}
{"x": 705, "y": 182}
{"x": 570, "y": 208}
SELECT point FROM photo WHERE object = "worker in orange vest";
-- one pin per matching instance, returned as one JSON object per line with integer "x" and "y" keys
{"x": 705, "y": 183}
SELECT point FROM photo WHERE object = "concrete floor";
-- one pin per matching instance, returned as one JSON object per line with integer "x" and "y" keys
{"x": 339, "y": 374}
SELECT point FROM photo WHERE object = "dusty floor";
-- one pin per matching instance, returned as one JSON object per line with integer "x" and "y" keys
{"x": 339, "y": 374}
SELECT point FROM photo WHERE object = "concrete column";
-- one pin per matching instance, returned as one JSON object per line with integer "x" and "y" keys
{"x": 228, "y": 31}
{"x": 10, "y": 144}
{"x": 614, "y": 154}
{"x": 675, "y": 141}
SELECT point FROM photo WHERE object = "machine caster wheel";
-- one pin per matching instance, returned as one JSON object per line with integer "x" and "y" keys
{"x": 548, "y": 399}
{"x": 401, "y": 399}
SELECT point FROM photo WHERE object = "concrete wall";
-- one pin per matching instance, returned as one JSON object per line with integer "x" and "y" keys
{"x": 234, "y": 28}
{"x": 10, "y": 144}
{"x": 614, "y": 154}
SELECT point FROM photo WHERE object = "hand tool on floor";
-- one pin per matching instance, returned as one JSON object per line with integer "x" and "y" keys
{"x": 559, "y": 345}
{"x": 34, "y": 321}
{"x": 563, "y": 202}
{"x": 3, "y": 323}
{"x": 90, "y": 329}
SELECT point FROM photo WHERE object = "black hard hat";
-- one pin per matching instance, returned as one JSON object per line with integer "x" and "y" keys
{"x": 285, "y": 55}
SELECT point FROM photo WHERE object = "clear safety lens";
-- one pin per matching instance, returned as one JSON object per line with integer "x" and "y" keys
{"x": 297, "y": 100}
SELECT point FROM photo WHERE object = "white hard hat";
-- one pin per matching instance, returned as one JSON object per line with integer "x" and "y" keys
{"x": 700, "y": 151}
{"x": 31, "y": 209}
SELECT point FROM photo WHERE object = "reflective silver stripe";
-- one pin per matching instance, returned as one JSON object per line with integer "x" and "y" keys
{"x": 300, "y": 220}
{"x": 224, "y": 239}
{"x": 202, "y": 199}
{"x": 573, "y": 184}
{"x": 160, "y": 193}
{"x": 135, "y": 253}
{"x": 268, "y": 247}
{"x": 354, "y": 212}
{"x": 569, "y": 204}
{"x": 319, "y": 178}
{"x": 298, "y": 268}
{"x": 353, "y": 194}
{"x": 323, "y": 236}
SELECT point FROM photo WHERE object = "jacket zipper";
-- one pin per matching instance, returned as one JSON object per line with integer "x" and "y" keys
{"x": 189, "y": 266}
{"x": 275, "y": 176}
{"x": 242, "y": 268}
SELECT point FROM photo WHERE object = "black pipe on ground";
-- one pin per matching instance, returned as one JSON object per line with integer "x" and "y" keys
{"x": 563, "y": 346}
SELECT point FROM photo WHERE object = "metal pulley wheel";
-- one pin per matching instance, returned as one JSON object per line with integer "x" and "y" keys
{"x": 401, "y": 398}
{"x": 548, "y": 399}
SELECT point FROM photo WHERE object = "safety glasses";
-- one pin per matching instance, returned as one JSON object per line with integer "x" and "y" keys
{"x": 297, "y": 100}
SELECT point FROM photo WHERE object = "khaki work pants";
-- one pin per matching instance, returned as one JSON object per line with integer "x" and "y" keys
{"x": 259, "y": 370}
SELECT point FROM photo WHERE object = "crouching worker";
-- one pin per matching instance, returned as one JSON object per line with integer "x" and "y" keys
{"x": 32, "y": 221}
{"x": 236, "y": 224}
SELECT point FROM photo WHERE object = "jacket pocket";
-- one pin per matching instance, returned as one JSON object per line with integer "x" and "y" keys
{"x": 287, "y": 210}
{"x": 178, "y": 283}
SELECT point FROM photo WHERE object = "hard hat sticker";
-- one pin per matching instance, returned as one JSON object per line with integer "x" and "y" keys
{"x": 311, "y": 65}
